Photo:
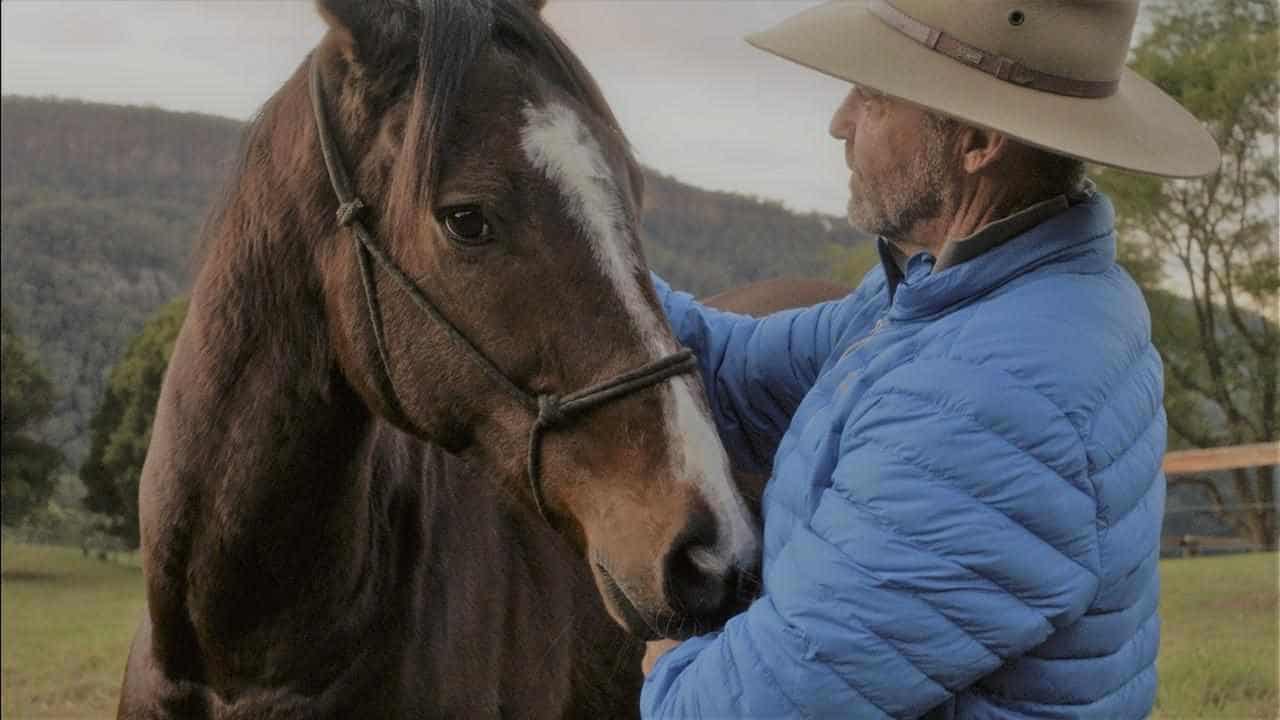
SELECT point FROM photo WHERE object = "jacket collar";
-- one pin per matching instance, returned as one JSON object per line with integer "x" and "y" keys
{"x": 1081, "y": 238}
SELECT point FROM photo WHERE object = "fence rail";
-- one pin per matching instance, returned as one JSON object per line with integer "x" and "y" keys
{"x": 1207, "y": 467}
{"x": 1191, "y": 546}
{"x": 1183, "y": 462}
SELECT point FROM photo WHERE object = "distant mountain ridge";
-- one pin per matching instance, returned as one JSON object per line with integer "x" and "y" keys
{"x": 102, "y": 205}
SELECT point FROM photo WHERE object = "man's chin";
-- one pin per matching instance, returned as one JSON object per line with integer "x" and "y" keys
{"x": 858, "y": 220}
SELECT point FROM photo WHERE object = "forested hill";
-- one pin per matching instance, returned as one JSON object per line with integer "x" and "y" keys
{"x": 102, "y": 205}
{"x": 706, "y": 241}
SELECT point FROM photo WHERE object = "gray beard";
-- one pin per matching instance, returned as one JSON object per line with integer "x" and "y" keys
{"x": 897, "y": 220}
{"x": 915, "y": 194}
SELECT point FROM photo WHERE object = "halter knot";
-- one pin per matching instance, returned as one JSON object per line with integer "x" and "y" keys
{"x": 550, "y": 411}
{"x": 349, "y": 211}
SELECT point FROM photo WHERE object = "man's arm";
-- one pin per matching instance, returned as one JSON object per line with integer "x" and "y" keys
{"x": 756, "y": 370}
{"x": 957, "y": 532}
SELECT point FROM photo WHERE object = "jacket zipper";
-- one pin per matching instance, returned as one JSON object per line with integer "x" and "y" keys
{"x": 880, "y": 324}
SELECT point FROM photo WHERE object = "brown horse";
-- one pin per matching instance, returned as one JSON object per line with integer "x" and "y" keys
{"x": 372, "y": 491}
{"x": 769, "y": 296}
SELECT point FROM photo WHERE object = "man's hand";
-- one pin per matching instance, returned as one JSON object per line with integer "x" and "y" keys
{"x": 655, "y": 650}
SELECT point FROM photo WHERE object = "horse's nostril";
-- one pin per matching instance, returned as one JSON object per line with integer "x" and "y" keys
{"x": 698, "y": 583}
{"x": 704, "y": 559}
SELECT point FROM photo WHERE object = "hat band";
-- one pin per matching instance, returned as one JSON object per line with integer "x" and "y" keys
{"x": 998, "y": 66}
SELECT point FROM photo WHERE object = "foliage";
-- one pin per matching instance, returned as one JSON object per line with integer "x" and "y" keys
{"x": 849, "y": 264}
{"x": 27, "y": 478}
{"x": 706, "y": 242}
{"x": 1215, "y": 238}
{"x": 121, "y": 427}
{"x": 69, "y": 524}
{"x": 101, "y": 208}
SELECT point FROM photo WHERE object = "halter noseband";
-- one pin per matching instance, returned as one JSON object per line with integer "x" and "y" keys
{"x": 549, "y": 410}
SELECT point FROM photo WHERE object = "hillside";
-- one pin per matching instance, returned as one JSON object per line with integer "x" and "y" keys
{"x": 102, "y": 205}
{"x": 705, "y": 242}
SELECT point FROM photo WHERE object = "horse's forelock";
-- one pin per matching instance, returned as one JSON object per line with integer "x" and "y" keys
{"x": 453, "y": 34}
{"x": 453, "y": 37}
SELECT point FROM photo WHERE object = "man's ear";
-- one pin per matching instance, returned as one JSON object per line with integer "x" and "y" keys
{"x": 368, "y": 30}
{"x": 981, "y": 148}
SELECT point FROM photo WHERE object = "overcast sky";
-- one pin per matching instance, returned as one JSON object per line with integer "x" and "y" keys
{"x": 697, "y": 101}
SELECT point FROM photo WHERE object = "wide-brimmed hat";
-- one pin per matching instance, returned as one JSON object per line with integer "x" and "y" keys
{"x": 1050, "y": 73}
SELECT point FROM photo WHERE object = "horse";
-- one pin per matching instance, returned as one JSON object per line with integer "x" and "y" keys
{"x": 426, "y": 446}
{"x": 772, "y": 295}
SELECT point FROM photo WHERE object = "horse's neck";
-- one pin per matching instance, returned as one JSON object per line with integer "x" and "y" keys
{"x": 257, "y": 493}
{"x": 295, "y": 542}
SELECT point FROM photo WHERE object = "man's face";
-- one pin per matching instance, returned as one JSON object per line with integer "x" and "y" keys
{"x": 896, "y": 154}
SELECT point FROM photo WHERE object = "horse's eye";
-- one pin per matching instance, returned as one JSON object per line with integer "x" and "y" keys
{"x": 467, "y": 225}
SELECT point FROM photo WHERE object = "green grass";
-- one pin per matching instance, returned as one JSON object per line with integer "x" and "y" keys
{"x": 1218, "y": 650}
{"x": 68, "y": 621}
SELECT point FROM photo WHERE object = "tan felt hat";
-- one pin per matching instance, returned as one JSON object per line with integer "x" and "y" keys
{"x": 1048, "y": 72}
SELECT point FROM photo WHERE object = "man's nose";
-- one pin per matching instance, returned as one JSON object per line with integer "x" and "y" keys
{"x": 844, "y": 120}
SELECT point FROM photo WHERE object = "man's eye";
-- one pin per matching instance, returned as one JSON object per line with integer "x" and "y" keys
{"x": 467, "y": 225}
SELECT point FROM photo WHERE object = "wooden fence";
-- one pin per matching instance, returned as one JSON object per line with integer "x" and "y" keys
{"x": 1184, "y": 462}
{"x": 1190, "y": 462}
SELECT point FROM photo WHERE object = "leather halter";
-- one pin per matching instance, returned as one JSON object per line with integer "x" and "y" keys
{"x": 549, "y": 410}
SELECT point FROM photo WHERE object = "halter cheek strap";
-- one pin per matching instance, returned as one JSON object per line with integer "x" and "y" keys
{"x": 550, "y": 411}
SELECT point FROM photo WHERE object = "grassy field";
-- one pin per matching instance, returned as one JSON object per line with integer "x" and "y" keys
{"x": 65, "y": 626}
{"x": 67, "y": 621}
{"x": 1218, "y": 650}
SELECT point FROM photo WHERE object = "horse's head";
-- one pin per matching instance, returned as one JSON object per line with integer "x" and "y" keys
{"x": 497, "y": 181}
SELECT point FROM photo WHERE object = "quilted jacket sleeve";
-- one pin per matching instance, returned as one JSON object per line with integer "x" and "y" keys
{"x": 756, "y": 370}
{"x": 957, "y": 531}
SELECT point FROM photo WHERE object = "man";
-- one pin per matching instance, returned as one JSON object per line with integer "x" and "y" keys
{"x": 964, "y": 510}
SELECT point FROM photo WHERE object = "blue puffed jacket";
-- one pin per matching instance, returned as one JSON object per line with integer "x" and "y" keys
{"x": 964, "y": 510}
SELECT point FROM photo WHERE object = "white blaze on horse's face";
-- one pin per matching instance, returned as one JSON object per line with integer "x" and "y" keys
{"x": 560, "y": 145}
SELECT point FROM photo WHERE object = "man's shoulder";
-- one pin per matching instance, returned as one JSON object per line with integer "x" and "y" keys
{"x": 1061, "y": 309}
{"x": 1072, "y": 336}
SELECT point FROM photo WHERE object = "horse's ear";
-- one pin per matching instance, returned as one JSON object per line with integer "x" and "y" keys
{"x": 537, "y": 5}
{"x": 369, "y": 29}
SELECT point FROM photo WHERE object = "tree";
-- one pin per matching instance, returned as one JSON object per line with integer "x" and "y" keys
{"x": 850, "y": 264}
{"x": 121, "y": 426}
{"x": 1215, "y": 239}
{"x": 29, "y": 466}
